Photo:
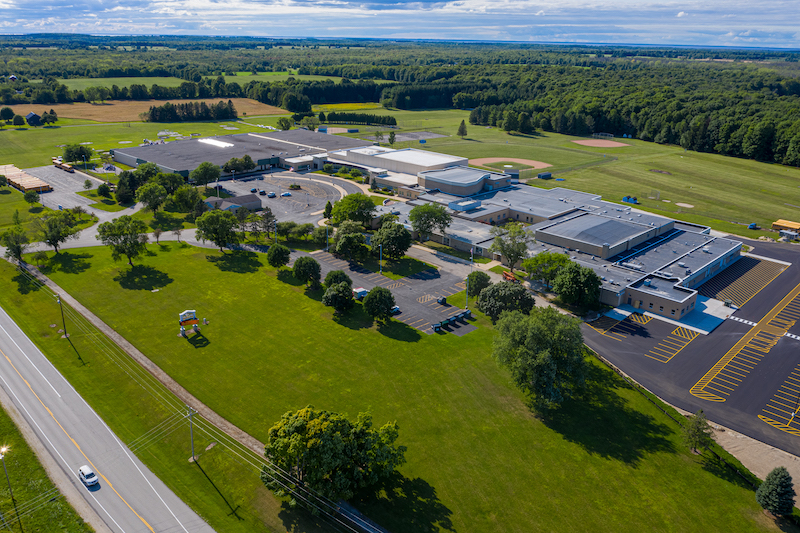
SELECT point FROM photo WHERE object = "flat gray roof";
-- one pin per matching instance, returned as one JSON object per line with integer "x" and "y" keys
{"x": 595, "y": 230}
{"x": 664, "y": 288}
{"x": 460, "y": 175}
{"x": 188, "y": 154}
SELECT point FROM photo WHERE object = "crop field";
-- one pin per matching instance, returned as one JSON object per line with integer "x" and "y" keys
{"x": 478, "y": 459}
{"x": 129, "y": 110}
{"x": 82, "y": 83}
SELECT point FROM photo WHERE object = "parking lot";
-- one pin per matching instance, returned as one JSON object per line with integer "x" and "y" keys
{"x": 65, "y": 186}
{"x": 745, "y": 374}
{"x": 305, "y": 204}
{"x": 416, "y": 295}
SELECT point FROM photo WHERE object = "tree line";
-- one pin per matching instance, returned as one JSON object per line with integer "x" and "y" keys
{"x": 189, "y": 111}
{"x": 359, "y": 118}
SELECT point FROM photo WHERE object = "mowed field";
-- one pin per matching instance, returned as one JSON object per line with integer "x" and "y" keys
{"x": 478, "y": 459}
{"x": 129, "y": 110}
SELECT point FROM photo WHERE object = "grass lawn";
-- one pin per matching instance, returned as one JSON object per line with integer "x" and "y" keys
{"x": 29, "y": 482}
{"x": 164, "y": 219}
{"x": 226, "y": 492}
{"x": 433, "y": 245}
{"x": 478, "y": 459}
{"x": 500, "y": 269}
{"x": 11, "y": 201}
{"x": 403, "y": 267}
{"x": 106, "y": 204}
{"x": 81, "y": 83}
{"x": 503, "y": 164}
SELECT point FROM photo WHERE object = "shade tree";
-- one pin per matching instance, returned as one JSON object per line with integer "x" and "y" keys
{"x": 218, "y": 227}
{"x": 126, "y": 236}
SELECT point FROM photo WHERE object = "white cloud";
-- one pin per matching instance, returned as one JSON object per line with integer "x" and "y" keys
{"x": 682, "y": 14}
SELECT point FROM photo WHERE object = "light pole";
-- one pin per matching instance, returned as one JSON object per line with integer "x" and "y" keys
{"x": 380, "y": 261}
{"x": 326, "y": 237}
{"x": 63, "y": 322}
{"x": 84, "y": 161}
{"x": 3, "y": 452}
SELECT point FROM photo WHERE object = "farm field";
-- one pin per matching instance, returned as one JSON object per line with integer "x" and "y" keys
{"x": 129, "y": 110}
{"x": 478, "y": 459}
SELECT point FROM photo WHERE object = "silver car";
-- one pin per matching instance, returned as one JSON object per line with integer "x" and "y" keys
{"x": 87, "y": 475}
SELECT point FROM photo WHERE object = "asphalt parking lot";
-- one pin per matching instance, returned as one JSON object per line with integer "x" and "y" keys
{"x": 305, "y": 205}
{"x": 416, "y": 295}
{"x": 745, "y": 375}
{"x": 64, "y": 184}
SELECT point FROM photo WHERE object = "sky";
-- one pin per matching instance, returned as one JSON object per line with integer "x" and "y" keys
{"x": 739, "y": 23}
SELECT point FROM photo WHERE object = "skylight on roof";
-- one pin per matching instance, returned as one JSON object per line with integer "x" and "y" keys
{"x": 216, "y": 142}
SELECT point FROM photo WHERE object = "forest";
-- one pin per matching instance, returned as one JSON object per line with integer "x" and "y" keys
{"x": 739, "y": 102}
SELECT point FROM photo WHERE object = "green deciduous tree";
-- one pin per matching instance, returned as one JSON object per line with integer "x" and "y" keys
{"x": 319, "y": 236}
{"x": 395, "y": 239}
{"x": 331, "y": 455}
{"x": 4, "y": 181}
{"x": 124, "y": 194}
{"x": 87, "y": 184}
{"x": 56, "y": 228}
{"x": 284, "y": 229}
{"x": 504, "y": 296}
{"x": 307, "y": 270}
{"x": 339, "y": 296}
{"x": 218, "y": 227}
{"x": 278, "y": 255}
{"x": 392, "y": 138}
{"x": 205, "y": 173}
{"x": 266, "y": 220}
{"x": 462, "y": 130}
{"x": 511, "y": 241}
{"x": 125, "y": 236}
{"x": 335, "y": 277}
{"x": 545, "y": 266}
{"x": 358, "y": 207}
{"x": 77, "y": 153}
{"x": 284, "y": 124}
{"x": 353, "y": 246}
{"x": 544, "y": 352}
{"x": 328, "y": 206}
{"x": 6, "y": 114}
{"x": 477, "y": 281}
{"x": 776, "y": 494}
{"x": 311, "y": 123}
{"x": 185, "y": 197}
{"x": 696, "y": 432}
{"x": 346, "y": 228}
{"x": 15, "y": 242}
{"x": 31, "y": 197}
{"x": 170, "y": 181}
{"x": 152, "y": 195}
{"x": 378, "y": 303}
{"x": 577, "y": 285}
{"x": 18, "y": 120}
{"x": 428, "y": 217}
{"x": 104, "y": 190}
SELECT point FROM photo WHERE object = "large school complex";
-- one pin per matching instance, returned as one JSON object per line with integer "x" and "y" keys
{"x": 647, "y": 261}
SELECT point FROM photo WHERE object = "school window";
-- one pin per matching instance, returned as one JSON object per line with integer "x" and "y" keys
{"x": 661, "y": 308}
{"x": 651, "y": 305}
{"x": 446, "y": 240}
{"x": 672, "y": 312}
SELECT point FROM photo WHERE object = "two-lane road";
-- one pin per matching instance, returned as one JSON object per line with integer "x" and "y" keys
{"x": 129, "y": 498}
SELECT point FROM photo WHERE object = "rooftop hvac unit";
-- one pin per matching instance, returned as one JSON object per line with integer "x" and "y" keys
{"x": 647, "y": 282}
{"x": 706, "y": 250}
{"x": 682, "y": 264}
{"x": 611, "y": 281}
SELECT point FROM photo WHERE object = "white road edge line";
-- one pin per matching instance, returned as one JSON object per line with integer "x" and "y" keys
{"x": 69, "y": 469}
{"x": 122, "y": 446}
{"x": 25, "y": 354}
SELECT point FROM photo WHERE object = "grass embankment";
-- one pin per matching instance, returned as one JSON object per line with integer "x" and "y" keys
{"x": 226, "y": 492}
{"x": 499, "y": 269}
{"x": 478, "y": 459}
{"x": 32, "y": 488}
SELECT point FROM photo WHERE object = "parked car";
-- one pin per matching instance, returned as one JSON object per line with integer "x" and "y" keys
{"x": 287, "y": 193}
{"x": 395, "y": 310}
{"x": 87, "y": 475}
{"x": 253, "y": 190}
{"x": 262, "y": 192}
{"x": 271, "y": 195}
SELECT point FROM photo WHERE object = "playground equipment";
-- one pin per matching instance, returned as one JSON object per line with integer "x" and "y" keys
{"x": 189, "y": 318}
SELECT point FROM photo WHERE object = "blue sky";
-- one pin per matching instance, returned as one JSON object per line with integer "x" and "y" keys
{"x": 765, "y": 23}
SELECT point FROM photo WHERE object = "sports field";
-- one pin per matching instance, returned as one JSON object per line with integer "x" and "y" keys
{"x": 478, "y": 459}
{"x": 129, "y": 110}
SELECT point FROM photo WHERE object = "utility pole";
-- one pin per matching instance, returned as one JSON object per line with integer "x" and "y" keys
{"x": 3, "y": 452}
{"x": 191, "y": 430}
{"x": 63, "y": 322}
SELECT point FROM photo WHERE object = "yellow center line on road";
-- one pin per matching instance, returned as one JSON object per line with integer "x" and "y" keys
{"x": 764, "y": 327}
{"x": 75, "y": 443}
